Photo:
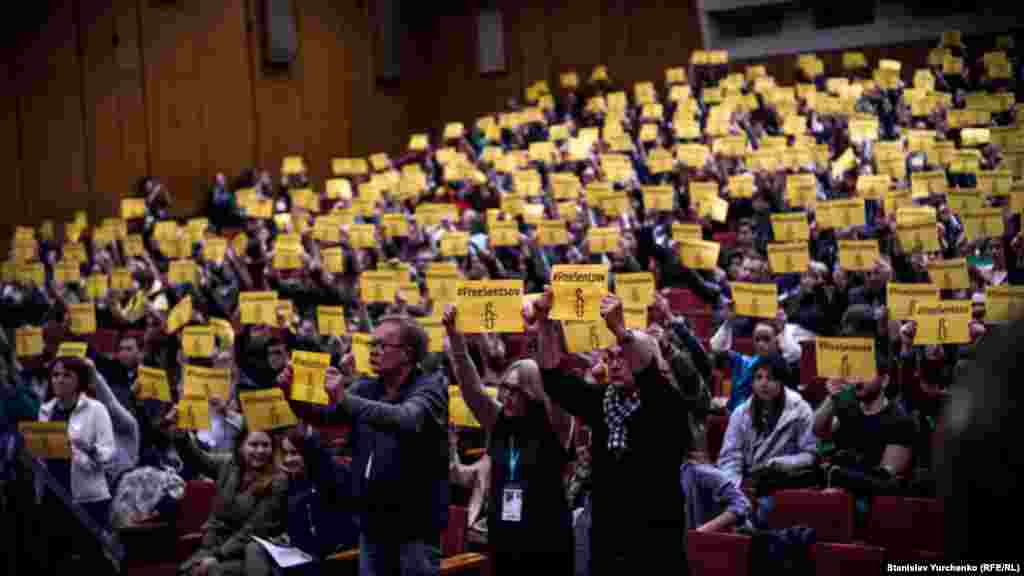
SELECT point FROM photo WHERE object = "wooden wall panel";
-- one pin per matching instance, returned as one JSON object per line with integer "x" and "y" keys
{"x": 13, "y": 200}
{"x": 174, "y": 96}
{"x": 48, "y": 84}
{"x": 379, "y": 111}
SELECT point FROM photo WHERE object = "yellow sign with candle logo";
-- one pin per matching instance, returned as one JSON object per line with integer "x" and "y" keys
{"x": 309, "y": 375}
{"x": 699, "y": 254}
{"x": 455, "y": 244}
{"x": 858, "y": 255}
{"x": 72, "y": 350}
{"x": 193, "y": 412}
{"x": 755, "y": 300}
{"x": 603, "y": 240}
{"x": 361, "y": 344}
{"x": 635, "y": 289}
{"x": 849, "y": 359}
{"x": 197, "y": 341}
{"x": 330, "y": 320}
{"x": 1004, "y": 303}
{"x": 267, "y": 410}
{"x": 47, "y": 440}
{"x": 904, "y": 298}
{"x": 949, "y": 274}
{"x": 459, "y": 413}
{"x": 790, "y": 227}
{"x": 584, "y": 336}
{"x": 489, "y": 306}
{"x": 378, "y": 286}
{"x": 28, "y": 341}
{"x": 209, "y": 382}
{"x": 83, "y": 318}
{"x": 945, "y": 322}
{"x": 152, "y": 384}
{"x": 983, "y": 223}
{"x": 578, "y": 291}
{"x": 259, "y": 308}
{"x": 789, "y": 258}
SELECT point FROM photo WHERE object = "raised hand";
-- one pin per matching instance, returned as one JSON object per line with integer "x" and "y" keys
{"x": 334, "y": 386}
{"x": 456, "y": 340}
{"x": 611, "y": 311}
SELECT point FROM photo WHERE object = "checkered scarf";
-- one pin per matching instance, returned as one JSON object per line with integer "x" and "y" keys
{"x": 616, "y": 411}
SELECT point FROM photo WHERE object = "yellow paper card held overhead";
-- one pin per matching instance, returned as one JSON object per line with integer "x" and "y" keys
{"x": 193, "y": 413}
{"x": 83, "y": 318}
{"x": 949, "y": 274}
{"x": 28, "y": 341}
{"x": 267, "y": 410}
{"x": 755, "y": 300}
{"x": 197, "y": 341}
{"x": 309, "y": 375}
{"x": 378, "y": 286}
{"x": 1004, "y": 303}
{"x": 152, "y": 384}
{"x": 211, "y": 382}
{"x": 489, "y": 306}
{"x": 945, "y": 322}
{"x": 72, "y": 350}
{"x": 635, "y": 289}
{"x": 259, "y": 308}
{"x": 603, "y": 240}
{"x": 791, "y": 258}
{"x": 902, "y": 299}
{"x": 790, "y": 227}
{"x": 578, "y": 290}
{"x": 699, "y": 254}
{"x": 586, "y": 335}
{"x": 858, "y": 255}
{"x": 849, "y": 359}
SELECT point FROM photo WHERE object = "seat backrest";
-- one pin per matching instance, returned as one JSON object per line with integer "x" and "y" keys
{"x": 715, "y": 432}
{"x": 104, "y": 341}
{"x": 829, "y": 512}
{"x": 681, "y": 300}
{"x": 718, "y": 553}
{"x": 743, "y": 346}
{"x": 901, "y": 523}
{"x": 832, "y": 559}
{"x": 812, "y": 388}
{"x": 701, "y": 323}
{"x": 453, "y": 540}
{"x": 195, "y": 506}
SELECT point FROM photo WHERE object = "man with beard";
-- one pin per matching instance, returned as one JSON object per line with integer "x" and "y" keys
{"x": 876, "y": 434}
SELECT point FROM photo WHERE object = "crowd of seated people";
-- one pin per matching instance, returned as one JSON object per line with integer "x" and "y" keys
{"x": 684, "y": 407}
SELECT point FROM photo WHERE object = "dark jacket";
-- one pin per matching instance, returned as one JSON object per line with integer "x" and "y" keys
{"x": 638, "y": 513}
{"x": 321, "y": 518}
{"x": 403, "y": 493}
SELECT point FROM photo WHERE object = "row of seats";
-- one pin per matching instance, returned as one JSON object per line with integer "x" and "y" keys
{"x": 722, "y": 554}
{"x": 146, "y": 544}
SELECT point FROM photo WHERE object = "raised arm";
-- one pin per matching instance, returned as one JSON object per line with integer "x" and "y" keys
{"x": 483, "y": 406}
{"x": 121, "y": 419}
{"x": 428, "y": 403}
{"x": 730, "y": 458}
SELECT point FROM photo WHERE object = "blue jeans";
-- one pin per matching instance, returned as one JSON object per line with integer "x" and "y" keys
{"x": 410, "y": 558}
{"x": 765, "y": 505}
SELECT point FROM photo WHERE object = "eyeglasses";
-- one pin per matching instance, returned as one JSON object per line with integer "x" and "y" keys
{"x": 374, "y": 344}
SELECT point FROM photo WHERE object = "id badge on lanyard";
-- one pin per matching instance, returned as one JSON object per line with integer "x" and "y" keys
{"x": 512, "y": 494}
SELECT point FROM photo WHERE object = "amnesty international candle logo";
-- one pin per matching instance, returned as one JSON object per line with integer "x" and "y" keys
{"x": 489, "y": 306}
{"x": 846, "y": 358}
{"x": 578, "y": 290}
{"x": 944, "y": 322}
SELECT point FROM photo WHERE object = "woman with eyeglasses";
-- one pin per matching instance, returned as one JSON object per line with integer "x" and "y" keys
{"x": 640, "y": 438}
{"x": 530, "y": 526}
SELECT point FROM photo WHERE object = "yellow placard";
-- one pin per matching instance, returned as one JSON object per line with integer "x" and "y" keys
{"x": 72, "y": 350}
{"x": 945, "y": 322}
{"x": 197, "y": 341}
{"x": 503, "y": 233}
{"x": 584, "y": 336}
{"x": 83, "y": 318}
{"x": 31, "y": 274}
{"x": 801, "y": 189}
{"x": 949, "y": 274}
{"x": 97, "y": 286}
{"x": 152, "y": 384}
{"x": 182, "y": 272}
{"x": 180, "y": 315}
{"x": 459, "y": 414}
{"x": 433, "y": 214}
{"x": 292, "y": 165}
{"x": 790, "y": 227}
{"x": 565, "y": 186}
{"x": 309, "y": 375}
{"x": 789, "y": 258}
{"x": 918, "y": 236}
{"x": 755, "y": 300}
{"x": 334, "y": 260}
{"x": 133, "y": 208}
{"x": 441, "y": 285}
{"x": 699, "y": 254}
{"x": 1004, "y": 303}
{"x": 435, "y": 333}
{"x": 330, "y": 320}
{"x": 214, "y": 249}
{"x": 65, "y": 272}
{"x": 552, "y": 233}
{"x": 858, "y": 255}
{"x": 578, "y": 290}
{"x": 223, "y": 330}
{"x": 603, "y": 240}
{"x": 902, "y": 299}
{"x": 849, "y": 359}
{"x": 193, "y": 412}
{"x": 266, "y": 410}
{"x": 489, "y": 306}
{"x": 455, "y": 244}
{"x": 28, "y": 341}
{"x": 962, "y": 200}
{"x": 741, "y": 186}
{"x": 983, "y": 223}
{"x": 133, "y": 246}
{"x": 378, "y": 286}
{"x": 682, "y": 231}
{"x": 659, "y": 198}
{"x": 361, "y": 344}
{"x": 338, "y": 188}
{"x": 209, "y": 382}
{"x": 635, "y": 289}
{"x": 840, "y": 213}
{"x": 258, "y": 308}
{"x": 47, "y": 440}
{"x": 873, "y": 186}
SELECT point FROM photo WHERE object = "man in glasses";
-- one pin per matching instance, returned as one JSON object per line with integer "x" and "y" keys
{"x": 399, "y": 440}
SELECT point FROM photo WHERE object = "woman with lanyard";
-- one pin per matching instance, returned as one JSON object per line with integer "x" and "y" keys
{"x": 530, "y": 527}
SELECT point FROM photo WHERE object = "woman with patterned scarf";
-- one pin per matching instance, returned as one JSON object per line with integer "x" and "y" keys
{"x": 639, "y": 441}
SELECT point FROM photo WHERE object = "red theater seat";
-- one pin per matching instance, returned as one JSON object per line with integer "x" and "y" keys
{"x": 908, "y": 528}
{"x": 831, "y": 559}
{"x": 701, "y": 323}
{"x": 192, "y": 514}
{"x": 104, "y": 341}
{"x": 743, "y": 346}
{"x": 681, "y": 300}
{"x": 453, "y": 539}
{"x": 829, "y": 512}
{"x": 718, "y": 553}
{"x": 811, "y": 387}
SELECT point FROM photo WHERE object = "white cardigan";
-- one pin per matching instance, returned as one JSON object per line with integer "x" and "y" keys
{"x": 89, "y": 424}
